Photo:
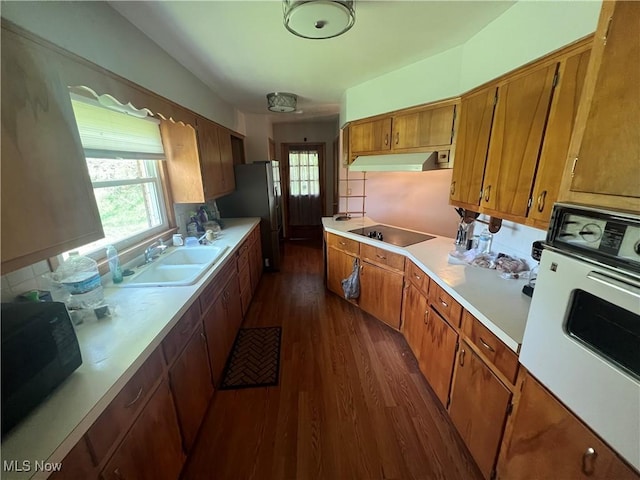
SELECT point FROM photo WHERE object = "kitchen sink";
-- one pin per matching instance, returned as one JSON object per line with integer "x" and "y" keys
{"x": 180, "y": 267}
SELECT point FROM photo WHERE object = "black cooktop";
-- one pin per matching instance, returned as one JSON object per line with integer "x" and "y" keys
{"x": 394, "y": 236}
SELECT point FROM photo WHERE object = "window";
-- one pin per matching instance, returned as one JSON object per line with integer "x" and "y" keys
{"x": 123, "y": 155}
{"x": 304, "y": 173}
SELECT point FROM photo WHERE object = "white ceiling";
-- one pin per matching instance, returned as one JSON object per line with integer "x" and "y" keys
{"x": 242, "y": 50}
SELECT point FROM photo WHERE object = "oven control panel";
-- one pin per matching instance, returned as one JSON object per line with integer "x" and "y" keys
{"x": 606, "y": 236}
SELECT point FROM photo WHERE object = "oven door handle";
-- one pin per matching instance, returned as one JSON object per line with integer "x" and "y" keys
{"x": 632, "y": 289}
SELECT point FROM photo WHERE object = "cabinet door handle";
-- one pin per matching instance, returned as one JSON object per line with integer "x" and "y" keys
{"x": 487, "y": 193}
{"x": 452, "y": 190}
{"x": 541, "y": 199}
{"x": 397, "y": 138}
{"x": 589, "y": 461}
{"x": 382, "y": 257}
{"x": 386, "y": 139}
{"x": 118, "y": 474}
{"x": 486, "y": 345}
{"x": 444, "y": 304}
{"x": 462, "y": 352}
{"x": 132, "y": 402}
{"x": 418, "y": 277}
{"x": 426, "y": 317}
{"x": 204, "y": 338}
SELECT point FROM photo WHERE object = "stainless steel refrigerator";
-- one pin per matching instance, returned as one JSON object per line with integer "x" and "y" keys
{"x": 258, "y": 195}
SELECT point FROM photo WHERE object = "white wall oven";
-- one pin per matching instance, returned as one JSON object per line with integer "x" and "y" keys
{"x": 582, "y": 338}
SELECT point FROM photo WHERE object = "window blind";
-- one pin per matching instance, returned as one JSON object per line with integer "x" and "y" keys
{"x": 107, "y": 133}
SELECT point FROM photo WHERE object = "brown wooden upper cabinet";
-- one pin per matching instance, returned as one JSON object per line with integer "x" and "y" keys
{"x": 371, "y": 136}
{"x": 474, "y": 129}
{"x": 413, "y": 129}
{"x": 603, "y": 165}
{"x": 200, "y": 162}
{"x": 508, "y": 160}
{"x": 44, "y": 171}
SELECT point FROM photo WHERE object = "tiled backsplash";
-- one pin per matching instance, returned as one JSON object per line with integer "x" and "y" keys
{"x": 23, "y": 280}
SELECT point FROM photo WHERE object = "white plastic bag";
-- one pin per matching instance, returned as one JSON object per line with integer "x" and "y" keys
{"x": 351, "y": 284}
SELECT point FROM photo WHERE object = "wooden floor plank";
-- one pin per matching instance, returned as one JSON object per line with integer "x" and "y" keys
{"x": 351, "y": 403}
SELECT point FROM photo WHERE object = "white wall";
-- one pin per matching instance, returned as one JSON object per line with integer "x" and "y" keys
{"x": 98, "y": 33}
{"x": 526, "y": 31}
{"x": 312, "y": 132}
{"x": 258, "y": 130}
{"x": 431, "y": 79}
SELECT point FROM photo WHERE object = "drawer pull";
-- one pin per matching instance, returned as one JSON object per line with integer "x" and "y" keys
{"x": 381, "y": 257}
{"x": 418, "y": 277}
{"x": 589, "y": 461}
{"x": 486, "y": 345}
{"x": 426, "y": 317}
{"x": 132, "y": 402}
{"x": 343, "y": 244}
{"x": 462, "y": 352}
{"x": 444, "y": 304}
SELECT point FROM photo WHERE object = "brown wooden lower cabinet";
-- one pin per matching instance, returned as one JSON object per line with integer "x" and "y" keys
{"x": 221, "y": 322}
{"x": 339, "y": 267}
{"x": 415, "y": 311}
{"x": 190, "y": 378}
{"x": 151, "y": 450}
{"x": 548, "y": 441}
{"x": 478, "y": 409}
{"x": 255, "y": 262}
{"x": 77, "y": 464}
{"x": 381, "y": 293}
{"x": 437, "y": 353}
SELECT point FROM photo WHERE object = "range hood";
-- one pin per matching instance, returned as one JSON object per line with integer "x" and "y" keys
{"x": 402, "y": 162}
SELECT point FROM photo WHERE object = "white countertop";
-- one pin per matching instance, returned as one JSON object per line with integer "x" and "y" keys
{"x": 498, "y": 303}
{"x": 112, "y": 351}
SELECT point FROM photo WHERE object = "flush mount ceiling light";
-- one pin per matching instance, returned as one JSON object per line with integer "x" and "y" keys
{"x": 282, "y": 102}
{"x": 318, "y": 19}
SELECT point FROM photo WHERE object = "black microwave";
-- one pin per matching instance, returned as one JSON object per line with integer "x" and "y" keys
{"x": 39, "y": 350}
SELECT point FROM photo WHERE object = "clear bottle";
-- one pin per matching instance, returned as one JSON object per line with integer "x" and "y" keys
{"x": 81, "y": 278}
{"x": 114, "y": 264}
{"x": 484, "y": 241}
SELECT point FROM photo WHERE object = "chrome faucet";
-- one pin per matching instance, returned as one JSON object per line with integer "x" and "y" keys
{"x": 154, "y": 250}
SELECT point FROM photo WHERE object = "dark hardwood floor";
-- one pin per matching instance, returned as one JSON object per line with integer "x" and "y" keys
{"x": 351, "y": 403}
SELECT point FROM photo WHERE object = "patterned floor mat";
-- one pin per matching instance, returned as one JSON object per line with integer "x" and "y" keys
{"x": 254, "y": 360}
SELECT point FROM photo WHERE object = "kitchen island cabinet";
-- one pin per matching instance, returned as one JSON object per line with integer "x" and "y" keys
{"x": 339, "y": 267}
{"x": 45, "y": 179}
{"x": 603, "y": 164}
{"x": 548, "y": 441}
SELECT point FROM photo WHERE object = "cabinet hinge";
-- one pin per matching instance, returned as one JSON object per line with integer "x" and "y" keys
{"x": 480, "y": 196}
{"x": 510, "y": 409}
{"x": 556, "y": 77}
{"x": 457, "y": 345}
{"x": 448, "y": 402}
{"x": 573, "y": 167}
{"x": 529, "y": 203}
{"x": 495, "y": 100}
{"x": 493, "y": 475}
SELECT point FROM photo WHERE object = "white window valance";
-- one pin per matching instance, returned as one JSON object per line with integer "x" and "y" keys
{"x": 107, "y": 133}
